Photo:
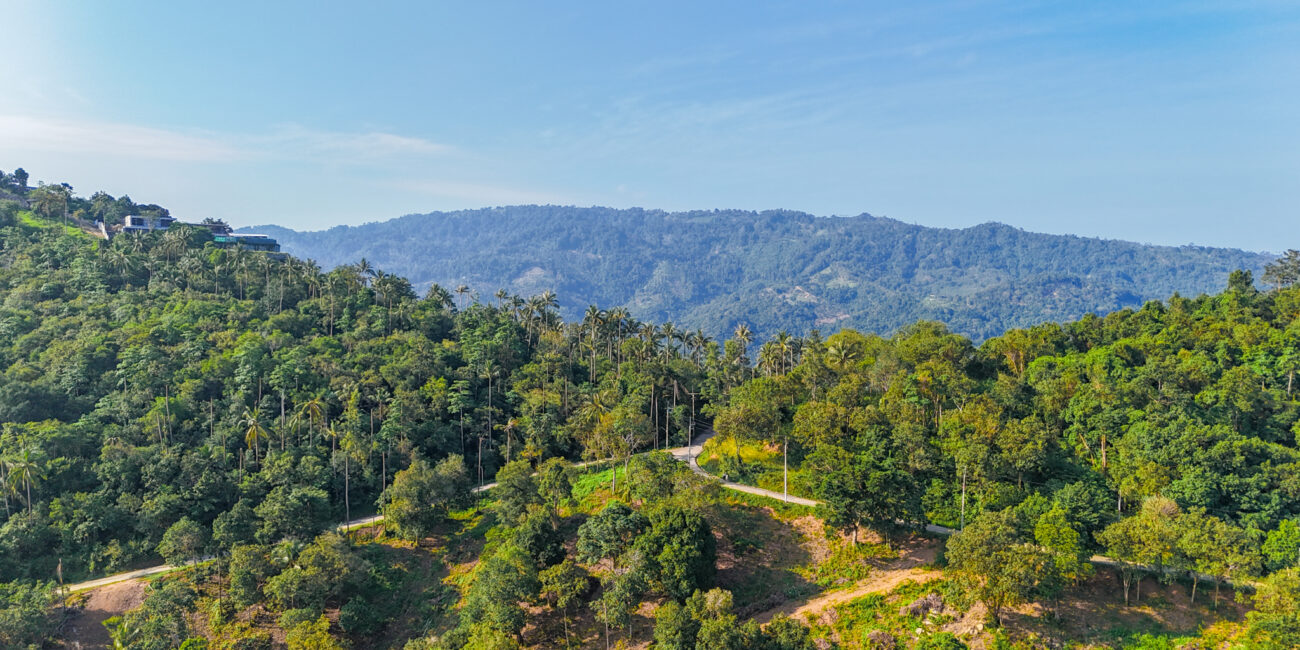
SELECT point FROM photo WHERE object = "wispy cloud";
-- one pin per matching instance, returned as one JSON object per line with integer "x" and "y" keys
{"x": 74, "y": 137}
{"x": 287, "y": 142}
{"x": 297, "y": 141}
{"x": 479, "y": 193}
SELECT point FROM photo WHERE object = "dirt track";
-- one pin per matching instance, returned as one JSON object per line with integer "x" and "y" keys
{"x": 86, "y": 629}
{"x": 912, "y": 565}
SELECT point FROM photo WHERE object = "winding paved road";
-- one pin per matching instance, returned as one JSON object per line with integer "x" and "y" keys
{"x": 687, "y": 454}
{"x": 120, "y": 577}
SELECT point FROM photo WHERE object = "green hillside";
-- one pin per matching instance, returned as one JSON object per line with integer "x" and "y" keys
{"x": 775, "y": 270}
{"x": 166, "y": 399}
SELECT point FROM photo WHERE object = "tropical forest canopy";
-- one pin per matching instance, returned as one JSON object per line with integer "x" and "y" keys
{"x": 164, "y": 398}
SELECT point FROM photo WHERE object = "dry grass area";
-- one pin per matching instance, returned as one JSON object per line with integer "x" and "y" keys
{"x": 1094, "y": 612}
{"x": 882, "y": 581}
{"x": 1091, "y": 615}
{"x": 760, "y": 554}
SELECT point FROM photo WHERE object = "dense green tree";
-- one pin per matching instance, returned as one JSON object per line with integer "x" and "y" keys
{"x": 516, "y": 489}
{"x": 292, "y": 513}
{"x": 652, "y": 476}
{"x": 609, "y": 533}
{"x": 785, "y": 633}
{"x": 679, "y": 550}
{"x": 51, "y": 201}
{"x": 675, "y": 628}
{"x": 248, "y": 570}
{"x": 998, "y": 566}
{"x": 1147, "y": 540}
{"x": 323, "y": 571}
{"x": 555, "y": 479}
{"x": 868, "y": 490}
{"x": 1282, "y": 546}
{"x": 185, "y": 541}
{"x": 564, "y": 585}
{"x": 1069, "y": 554}
{"x": 312, "y": 635}
{"x": 420, "y": 495}
{"x": 539, "y": 537}
{"x": 25, "y": 614}
{"x": 236, "y": 526}
{"x": 501, "y": 584}
{"x": 1276, "y": 621}
{"x": 753, "y": 413}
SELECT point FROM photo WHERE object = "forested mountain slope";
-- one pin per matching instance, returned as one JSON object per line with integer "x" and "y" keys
{"x": 163, "y": 397}
{"x": 774, "y": 270}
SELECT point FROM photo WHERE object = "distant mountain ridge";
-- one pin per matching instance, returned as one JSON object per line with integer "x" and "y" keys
{"x": 776, "y": 269}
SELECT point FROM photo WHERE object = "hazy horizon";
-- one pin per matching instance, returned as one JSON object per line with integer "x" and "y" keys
{"x": 1165, "y": 123}
{"x": 248, "y": 226}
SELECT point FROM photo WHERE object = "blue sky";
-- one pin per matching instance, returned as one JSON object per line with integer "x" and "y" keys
{"x": 1169, "y": 123}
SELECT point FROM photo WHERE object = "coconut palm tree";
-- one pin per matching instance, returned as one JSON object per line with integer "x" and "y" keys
{"x": 549, "y": 300}
{"x": 311, "y": 274}
{"x": 783, "y": 348}
{"x": 333, "y": 434}
{"x": 510, "y": 427}
{"x": 351, "y": 448}
{"x": 769, "y": 358}
{"x": 315, "y": 410}
{"x": 842, "y": 356}
{"x": 121, "y": 260}
{"x": 440, "y": 297}
{"x": 363, "y": 270}
{"x": 744, "y": 336}
{"x": 671, "y": 336}
{"x": 24, "y": 468}
{"x": 697, "y": 342}
{"x": 173, "y": 243}
{"x": 254, "y": 431}
{"x": 7, "y": 488}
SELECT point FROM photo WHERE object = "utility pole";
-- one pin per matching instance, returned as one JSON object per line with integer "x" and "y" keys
{"x": 963, "y": 499}
{"x": 785, "y": 469}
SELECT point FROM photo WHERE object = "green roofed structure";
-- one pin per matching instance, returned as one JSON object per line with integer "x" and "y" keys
{"x": 261, "y": 243}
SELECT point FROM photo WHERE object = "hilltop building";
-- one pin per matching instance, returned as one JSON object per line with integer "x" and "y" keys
{"x": 222, "y": 235}
{"x": 138, "y": 223}
{"x": 249, "y": 242}
{"x": 216, "y": 226}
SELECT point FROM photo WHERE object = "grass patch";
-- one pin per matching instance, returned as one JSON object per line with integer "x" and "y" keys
{"x": 408, "y": 588}
{"x": 750, "y": 453}
{"x": 29, "y": 219}
{"x": 783, "y": 510}
{"x": 854, "y": 620}
{"x": 846, "y": 565}
{"x": 591, "y": 489}
{"x": 760, "y": 466}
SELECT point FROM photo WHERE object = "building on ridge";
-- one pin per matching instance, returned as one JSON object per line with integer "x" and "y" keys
{"x": 139, "y": 223}
{"x": 249, "y": 242}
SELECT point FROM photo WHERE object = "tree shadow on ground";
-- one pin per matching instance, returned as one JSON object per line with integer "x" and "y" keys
{"x": 758, "y": 554}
